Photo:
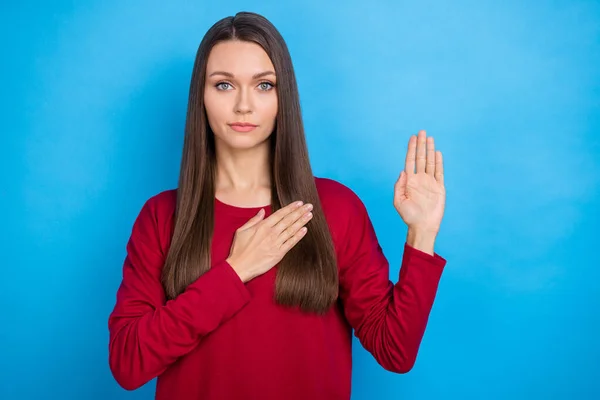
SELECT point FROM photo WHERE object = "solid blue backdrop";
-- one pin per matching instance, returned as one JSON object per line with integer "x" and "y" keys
{"x": 94, "y": 95}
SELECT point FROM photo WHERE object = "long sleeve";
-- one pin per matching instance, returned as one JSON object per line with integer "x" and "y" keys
{"x": 147, "y": 333}
{"x": 389, "y": 319}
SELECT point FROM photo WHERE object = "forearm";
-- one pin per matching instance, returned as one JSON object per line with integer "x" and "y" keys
{"x": 146, "y": 338}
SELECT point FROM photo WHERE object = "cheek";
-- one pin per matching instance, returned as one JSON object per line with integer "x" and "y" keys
{"x": 269, "y": 109}
{"x": 214, "y": 110}
{"x": 272, "y": 103}
{"x": 273, "y": 108}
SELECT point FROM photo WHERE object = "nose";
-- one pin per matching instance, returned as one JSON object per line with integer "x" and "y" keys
{"x": 243, "y": 103}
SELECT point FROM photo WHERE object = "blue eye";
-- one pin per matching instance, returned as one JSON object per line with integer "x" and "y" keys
{"x": 219, "y": 85}
{"x": 268, "y": 87}
{"x": 263, "y": 86}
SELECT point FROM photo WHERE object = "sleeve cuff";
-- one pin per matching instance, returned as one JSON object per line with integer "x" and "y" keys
{"x": 434, "y": 259}
{"x": 235, "y": 279}
{"x": 221, "y": 293}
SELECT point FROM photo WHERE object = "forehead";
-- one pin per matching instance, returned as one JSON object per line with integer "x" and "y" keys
{"x": 243, "y": 59}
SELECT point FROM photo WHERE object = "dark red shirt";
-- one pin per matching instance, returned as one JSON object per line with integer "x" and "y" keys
{"x": 223, "y": 339}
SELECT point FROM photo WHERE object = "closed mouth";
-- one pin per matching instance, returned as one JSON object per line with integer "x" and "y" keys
{"x": 242, "y": 124}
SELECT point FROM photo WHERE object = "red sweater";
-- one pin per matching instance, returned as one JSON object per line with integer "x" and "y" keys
{"x": 222, "y": 339}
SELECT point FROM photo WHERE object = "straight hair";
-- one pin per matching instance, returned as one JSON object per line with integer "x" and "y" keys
{"x": 307, "y": 276}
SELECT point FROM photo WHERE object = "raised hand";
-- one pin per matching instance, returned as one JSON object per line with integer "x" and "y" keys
{"x": 420, "y": 196}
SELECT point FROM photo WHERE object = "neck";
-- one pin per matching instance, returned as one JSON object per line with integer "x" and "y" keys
{"x": 243, "y": 171}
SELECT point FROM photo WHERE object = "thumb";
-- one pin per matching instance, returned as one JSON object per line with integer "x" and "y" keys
{"x": 400, "y": 186}
{"x": 254, "y": 220}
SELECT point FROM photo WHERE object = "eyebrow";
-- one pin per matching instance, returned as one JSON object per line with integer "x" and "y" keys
{"x": 230, "y": 75}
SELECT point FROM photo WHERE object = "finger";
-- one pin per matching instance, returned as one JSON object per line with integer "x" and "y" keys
{"x": 430, "y": 166}
{"x": 293, "y": 228}
{"x": 291, "y": 242}
{"x": 421, "y": 151}
{"x": 292, "y": 217}
{"x": 439, "y": 167}
{"x": 254, "y": 220}
{"x": 282, "y": 212}
{"x": 411, "y": 153}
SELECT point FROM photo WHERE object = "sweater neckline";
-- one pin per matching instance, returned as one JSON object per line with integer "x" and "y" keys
{"x": 239, "y": 211}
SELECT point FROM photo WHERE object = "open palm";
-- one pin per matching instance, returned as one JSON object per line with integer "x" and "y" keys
{"x": 420, "y": 197}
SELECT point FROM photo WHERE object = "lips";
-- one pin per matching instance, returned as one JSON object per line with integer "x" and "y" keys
{"x": 242, "y": 126}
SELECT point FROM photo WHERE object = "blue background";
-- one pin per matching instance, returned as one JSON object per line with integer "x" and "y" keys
{"x": 93, "y": 101}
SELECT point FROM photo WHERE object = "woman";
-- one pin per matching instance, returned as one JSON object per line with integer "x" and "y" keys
{"x": 233, "y": 290}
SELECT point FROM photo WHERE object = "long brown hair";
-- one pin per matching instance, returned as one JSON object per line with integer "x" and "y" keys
{"x": 307, "y": 276}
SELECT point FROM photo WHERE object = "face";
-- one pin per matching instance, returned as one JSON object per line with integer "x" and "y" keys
{"x": 240, "y": 95}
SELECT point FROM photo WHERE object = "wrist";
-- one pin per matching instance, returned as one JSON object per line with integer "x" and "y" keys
{"x": 421, "y": 239}
{"x": 241, "y": 272}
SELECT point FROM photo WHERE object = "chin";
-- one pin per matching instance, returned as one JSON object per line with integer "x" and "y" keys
{"x": 244, "y": 141}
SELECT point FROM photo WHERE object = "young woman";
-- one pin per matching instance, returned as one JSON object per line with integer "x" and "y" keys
{"x": 247, "y": 280}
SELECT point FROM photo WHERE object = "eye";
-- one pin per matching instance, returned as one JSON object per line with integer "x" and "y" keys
{"x": 223, "y": 86}
{"x": 266, "y": 86}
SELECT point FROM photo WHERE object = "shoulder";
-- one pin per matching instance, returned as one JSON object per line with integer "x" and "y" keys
{"x": 162, "y": 203}
{"x": 156, "y": 218}
{"x": 343, "y": 209}
{"x": 337, "y": 197}
{"x": 346, "y": 215}
{"x": 162, "y": 207}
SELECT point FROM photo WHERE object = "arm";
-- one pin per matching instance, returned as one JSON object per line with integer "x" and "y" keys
{"x": 148, "y": 334}
{"x": 389, "y": 319}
